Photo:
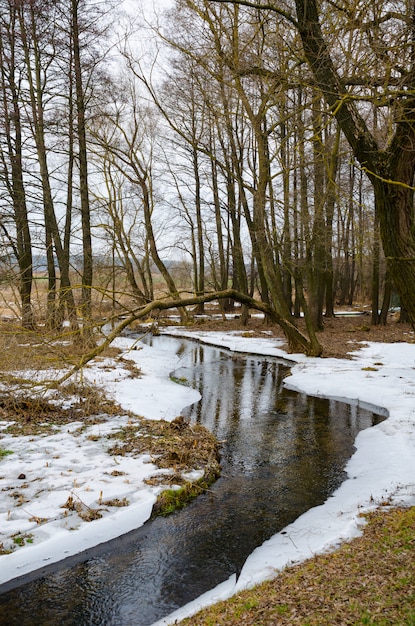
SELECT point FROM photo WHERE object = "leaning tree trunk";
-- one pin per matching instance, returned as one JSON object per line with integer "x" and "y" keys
{"x": 297, "y": 341}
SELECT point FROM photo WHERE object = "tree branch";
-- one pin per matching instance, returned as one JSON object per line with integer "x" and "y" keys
{"x": 296, "y": 339}
{"x": 263, "y": 7}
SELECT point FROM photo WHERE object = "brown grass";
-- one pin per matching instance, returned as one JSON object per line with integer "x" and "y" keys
{"x": 175, "y": 445}
{"x": 22, "y": 396}
{"x": 31, "y": 414}
{"x": 341, "y": 335}
{"x": 370, "y": 580}
{"x": 40, "y": 349}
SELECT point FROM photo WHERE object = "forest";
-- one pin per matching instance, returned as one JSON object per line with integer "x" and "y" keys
{"x": 175, "y": 158}
{"x": 251, "y": 152}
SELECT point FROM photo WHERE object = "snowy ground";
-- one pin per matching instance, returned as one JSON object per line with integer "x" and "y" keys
{"x": 74, "y": 462}
{"x": 40, "y": 473}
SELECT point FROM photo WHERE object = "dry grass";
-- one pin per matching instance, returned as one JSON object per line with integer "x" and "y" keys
{"x": 32, "y": 415}
{"x": 25, "y": 355}
{"x": 175, "y": 445}
{"x": 40, "y": 349}
{"x": 85, "y": 512}
{"x": 341, "y": 335}
{"x": 370, "y": 580}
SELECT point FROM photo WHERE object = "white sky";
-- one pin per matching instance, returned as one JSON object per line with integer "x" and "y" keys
{"x": 73, "y": 462}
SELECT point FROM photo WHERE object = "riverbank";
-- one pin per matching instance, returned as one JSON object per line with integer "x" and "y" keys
{"x": 369, "y": 580}
{"x": 378, "y": 375}
{"x": 70, "y": 480}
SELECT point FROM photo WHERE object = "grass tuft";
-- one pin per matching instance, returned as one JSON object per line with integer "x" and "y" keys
{"x": 172, "y": 500}
{"x": 4, "y": 453}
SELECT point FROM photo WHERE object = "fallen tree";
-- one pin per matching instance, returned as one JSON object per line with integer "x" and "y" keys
{"x": 297, "y": 341}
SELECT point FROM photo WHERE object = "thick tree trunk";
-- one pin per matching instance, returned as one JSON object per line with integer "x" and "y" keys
{"x": 397, "y": 231}
{"x": 387, "y": 294}
{"x": 391, "y": 171}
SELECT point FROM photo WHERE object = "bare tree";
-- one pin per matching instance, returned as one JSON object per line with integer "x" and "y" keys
{"x": 390, "y": 167}
{"x": 131, "y": 147}
{"x": 11, "y": 155}
{"x": 230, "y": 47}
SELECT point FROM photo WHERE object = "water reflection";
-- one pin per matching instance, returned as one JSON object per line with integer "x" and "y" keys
{"x": 282, "y": 453}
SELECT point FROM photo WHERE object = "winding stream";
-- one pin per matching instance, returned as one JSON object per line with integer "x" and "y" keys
{"x": 282, "y": 454}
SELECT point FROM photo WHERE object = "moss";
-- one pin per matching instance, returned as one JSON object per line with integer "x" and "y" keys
{"x": 172, "y": 500}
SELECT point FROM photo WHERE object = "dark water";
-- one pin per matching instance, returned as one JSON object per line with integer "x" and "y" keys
{"x": 282, "y": 454}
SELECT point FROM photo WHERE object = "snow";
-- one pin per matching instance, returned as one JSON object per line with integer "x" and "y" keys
{"x": 73, "y": 461}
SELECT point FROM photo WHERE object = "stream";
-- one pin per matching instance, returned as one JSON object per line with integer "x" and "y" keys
{"x": 282, "y": 453}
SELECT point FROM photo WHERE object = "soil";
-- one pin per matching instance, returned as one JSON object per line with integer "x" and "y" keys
{"x": 341, "y": 336}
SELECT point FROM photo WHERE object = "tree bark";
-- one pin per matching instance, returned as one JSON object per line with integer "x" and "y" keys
{"x": 83, "y": 168}
{"x": 13, "y": 170}
{"x": 391, "y": 171}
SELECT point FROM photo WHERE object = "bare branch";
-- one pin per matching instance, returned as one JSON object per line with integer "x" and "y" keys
{"x": 295, "y": 337}
{"x": 262, "y": 6}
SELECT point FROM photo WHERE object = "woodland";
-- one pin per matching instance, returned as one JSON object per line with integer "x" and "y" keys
{"x": 184, "y": 156}
{"x": 251, "y": 152}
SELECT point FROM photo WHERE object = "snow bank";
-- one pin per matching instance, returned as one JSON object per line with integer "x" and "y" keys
{"x": 380, "y": 377}
{"x": 73, "y": 461}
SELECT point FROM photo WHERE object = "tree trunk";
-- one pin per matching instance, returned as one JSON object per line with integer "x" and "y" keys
{"x": 375, "y": 272}
{"x": 391, "y": 171}
{"x": 387, "y": 294}
{"x": 315, "y": 266}
{"x": 52, "y": 235}
{"x": 14, "y": 178}
{"x": 223, "y": 264}
{"x": 83, "y": 174}
{"x": 200, "y": 285}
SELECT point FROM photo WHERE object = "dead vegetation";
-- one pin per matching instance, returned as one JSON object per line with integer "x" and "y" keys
{"x": 341, "y": 335}
{"x": 34, "y": 415}
{"x": 175, "y": 445}
{"x": 28, "y": 409}
{"x": 370, "y": 580}
{"x": 40, "y": 349}
{"x": 38, "y": 360}
{"x": 85, "y": 512}
{"x": 29, "y": 401}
